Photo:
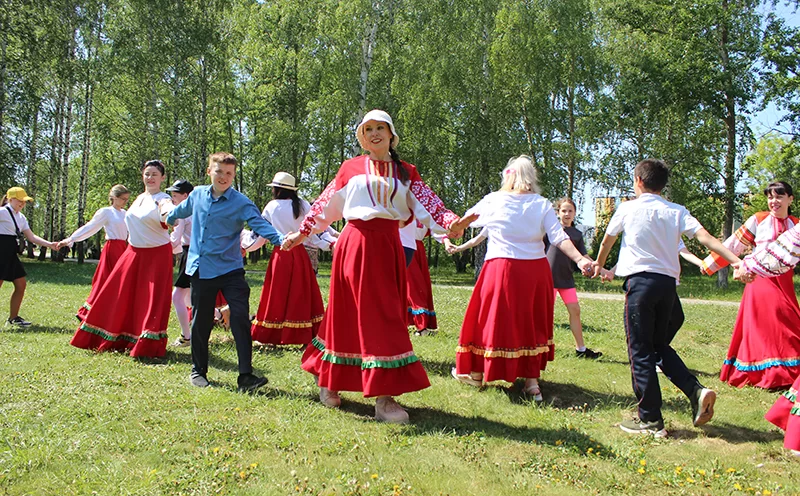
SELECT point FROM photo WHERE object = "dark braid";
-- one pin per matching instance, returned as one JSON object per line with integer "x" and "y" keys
{"x": 402, "y": 172}
{"x": 288, "y": 194}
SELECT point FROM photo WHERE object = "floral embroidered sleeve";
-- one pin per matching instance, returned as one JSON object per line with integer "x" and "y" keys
{"x": 778, "y": 257}
{"x": 428, "y": 208}
{"x": 326, "y": 209}
{"x": 743, "y": 238}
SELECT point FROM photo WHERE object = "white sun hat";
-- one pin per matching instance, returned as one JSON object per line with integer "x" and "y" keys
{"x": 284, "y": 180}
{"x": 380, "y": 116}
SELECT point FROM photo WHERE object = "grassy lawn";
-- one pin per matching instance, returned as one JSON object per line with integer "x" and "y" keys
{"x": 75, "y": 422}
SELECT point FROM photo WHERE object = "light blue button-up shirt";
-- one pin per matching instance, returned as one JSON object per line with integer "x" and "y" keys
{"x": 216, "y": 226}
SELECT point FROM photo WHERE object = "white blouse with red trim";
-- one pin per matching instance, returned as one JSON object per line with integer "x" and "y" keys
{"x": 365, "y": 189}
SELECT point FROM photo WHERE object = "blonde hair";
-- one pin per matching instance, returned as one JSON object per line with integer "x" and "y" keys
{"x": 116, "y": 191}
{"x": 519, "y": 176}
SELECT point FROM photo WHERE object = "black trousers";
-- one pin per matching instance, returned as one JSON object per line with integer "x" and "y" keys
{"x": 653, "y": 315}
{"x": 204, "y": 294}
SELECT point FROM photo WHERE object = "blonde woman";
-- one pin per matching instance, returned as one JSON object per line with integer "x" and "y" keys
{"x": 508, "y": 327}
{"x": 112, "y": 219}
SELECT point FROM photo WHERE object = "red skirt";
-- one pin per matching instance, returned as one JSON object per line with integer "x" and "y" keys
{"x": 363, "y": 343}
{"x": 131, "y": 310}
{"x": 420, "y": 295}
{"x": 290, "y": 308}
{"x": 508, "y": 328}
{"x": 109, "y": 255}
{"x": 765, "y": 346}
{"x": 785, "y": 413}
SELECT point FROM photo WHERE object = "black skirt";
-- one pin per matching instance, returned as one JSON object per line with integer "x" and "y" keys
{"x": 183, "y": 280}
{"x": 10, "y": 266}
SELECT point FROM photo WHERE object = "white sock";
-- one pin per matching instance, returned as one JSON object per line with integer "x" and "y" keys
{"x": 581, "y": 349}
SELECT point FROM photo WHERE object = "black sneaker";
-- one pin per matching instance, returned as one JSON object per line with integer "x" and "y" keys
{"x": 588, "y": 353}
{"x": 702, "y": 400}
{"x": 249, "y": 382}
{"x": 198, "y": 380}
{"x": 638, "y": 426}
{"x": 19, "y": 322}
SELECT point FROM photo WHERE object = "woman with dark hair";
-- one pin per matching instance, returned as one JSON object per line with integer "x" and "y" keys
{"x": 291, "y": 307}
{"x": 13, "y": 224}
{"x": 131, "y": 310}
{"x": 765, "y": 346}
{"x": 363, "y": 344}
{"x": 112, "y": 219}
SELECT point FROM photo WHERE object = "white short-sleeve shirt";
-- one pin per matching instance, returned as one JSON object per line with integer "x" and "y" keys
{"x": 7, "y": 225}
{"x": 652, "y": 228}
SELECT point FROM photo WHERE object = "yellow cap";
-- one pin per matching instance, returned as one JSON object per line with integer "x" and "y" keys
{"x": 19, "y": 194}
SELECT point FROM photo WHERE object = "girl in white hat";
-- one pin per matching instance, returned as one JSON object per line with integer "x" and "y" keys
{"x": 363, "y": 344}
{"x": 290, "y": 308}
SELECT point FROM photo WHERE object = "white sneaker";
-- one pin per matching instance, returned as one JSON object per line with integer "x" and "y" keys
{"x": 387, "y": 410}
{"x": 329, "y": 398}
{"x": 182, "y": 342}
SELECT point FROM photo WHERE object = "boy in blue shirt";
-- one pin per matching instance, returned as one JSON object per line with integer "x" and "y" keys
{"x": 648, "y": 260}
{"x": 215, "y": 264}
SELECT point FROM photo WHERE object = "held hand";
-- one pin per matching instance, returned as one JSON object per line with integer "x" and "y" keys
{"x": 741, "y": 274}
{"x": 606, "y": 275}
{"x": 596, "y": 269}
{"x": 587, "y": 266}
{"x": 291, "y": 240}
{"x": 457, "y": 227}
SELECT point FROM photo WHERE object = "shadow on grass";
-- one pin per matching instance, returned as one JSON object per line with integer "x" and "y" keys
{"x": 586, "y": 329}
{"x": 734, "y": 434}
{"x": 38, "y": 329}
{"x": 431, "y": 421}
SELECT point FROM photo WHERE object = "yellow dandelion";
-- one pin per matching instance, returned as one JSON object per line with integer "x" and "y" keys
{"x": 731, "y": 470}
{"x": 559, "y": 442}
{"x": 153, "y": 471}
{"x": 766, "y": 492}
{"x": 242, "y": 474}
{"x": 737, "y": 486}
{"x": 690, "y": 480}
{"x": 678, "y": 469}
{"x": 215, "y": 450}
{"x": 590, "y": 450}
{"x": 643, "y": 463}
{"x": 253, "y": 465}
{"x": 641, "y": 470}
{"x": 701, "y": 472}
{"x": 374, "y": 476}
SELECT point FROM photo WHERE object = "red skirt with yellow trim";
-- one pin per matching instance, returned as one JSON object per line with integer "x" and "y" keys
{"x": 765, "y": 346}
{"x": 420, "y": 294}
{"x": 508, "y": 328}
{"x": 131, "y": 310}
{"x": 290, "y": 308}
{"x": 109, "y": 256}
{"x": 785, "y": 413}
{"x": 363, "y": 343}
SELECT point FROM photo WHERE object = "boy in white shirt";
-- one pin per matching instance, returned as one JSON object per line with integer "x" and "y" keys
{"x": 648, "y": 260}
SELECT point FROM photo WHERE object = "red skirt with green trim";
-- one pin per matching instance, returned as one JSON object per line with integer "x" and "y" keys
{"x": 290, "y": 308}
{"x": 109, "y": 256}
{"x": 420, "y": 294}
{"x": 765, "y": 346}
{"x": 131, "y": 310}
{"x": 508, "y": 328}
{"x": 785, "y": 413}
{"x": 363, "y": 343}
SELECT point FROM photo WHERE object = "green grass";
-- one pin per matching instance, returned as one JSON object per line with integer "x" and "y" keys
{"x": 75, "y": 422}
